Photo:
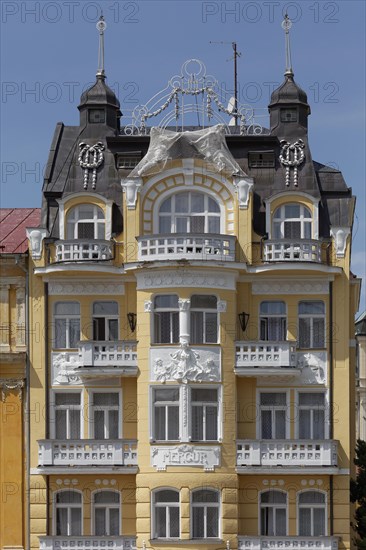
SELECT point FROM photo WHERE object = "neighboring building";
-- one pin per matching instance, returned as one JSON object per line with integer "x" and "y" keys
{"x": 195, "y": 378}
{"x": 360, "y": 326}
{"x": 13, "y": 358}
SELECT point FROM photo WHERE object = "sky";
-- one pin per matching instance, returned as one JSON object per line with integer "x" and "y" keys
{"x": 49, "y": 52}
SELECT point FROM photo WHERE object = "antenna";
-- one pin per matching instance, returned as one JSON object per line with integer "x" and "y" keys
{"x": 286, "y": 25}
{"x": 235, "y": 57}
{"x": 101, "y": 26}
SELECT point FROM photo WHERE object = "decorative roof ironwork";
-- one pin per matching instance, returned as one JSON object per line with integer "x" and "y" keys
{"x": 195, "y": 92}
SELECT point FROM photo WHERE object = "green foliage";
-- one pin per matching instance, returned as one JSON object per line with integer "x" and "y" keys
{"x": 358, "y": 494}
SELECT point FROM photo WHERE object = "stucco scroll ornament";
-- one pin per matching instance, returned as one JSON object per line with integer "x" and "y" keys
{"x": 11, "y": 384}
{"x": 64, "y": 367}
{"x": 131, "y": 186}
{"x": 312, "y": 369}
{"x": 90, "y": 158}
{"x": 36, "y": 236}
{"x": 243, "y": 188}
{"x": 292, "y": 155}
{"x": 186, "y": 367}
{"x": 340, "y": 235}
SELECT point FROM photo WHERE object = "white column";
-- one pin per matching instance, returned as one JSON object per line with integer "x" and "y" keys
{"x": 20, "y": 309}
{"x": 5, "y": 321}
{"x": 184, "y": 320}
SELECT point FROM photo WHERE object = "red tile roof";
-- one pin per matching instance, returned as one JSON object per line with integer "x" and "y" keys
{"x": 13, "y": 221}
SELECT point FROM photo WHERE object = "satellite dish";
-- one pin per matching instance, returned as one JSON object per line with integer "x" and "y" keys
{"x": 231, "y": 105}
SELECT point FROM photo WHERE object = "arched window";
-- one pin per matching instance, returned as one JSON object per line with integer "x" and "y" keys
{"x": 106, "y": 509}
{"x": 292, "y": 221}
{"x": 273, "y": 514}
{"x": 166, "y": 514}
{"x": 68, "y": 513}
{"x": 272, "y": 321}
{"x": 312, "y": 514}
{"x": 85, "y": 221}
{"x": 189, "y": 212}
{"x": 205, "y": 514}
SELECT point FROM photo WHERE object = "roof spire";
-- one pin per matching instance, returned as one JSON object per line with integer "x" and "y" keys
{"x": 286, "y": 25}
{"x": 101, "y": 26}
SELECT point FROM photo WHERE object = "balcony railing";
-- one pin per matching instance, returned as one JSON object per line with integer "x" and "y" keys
{"x": 292, "y": 251}
{"x": 87, "y": 543}
{"x": 290, "y": 543}
{"x": 118, "y": 353}
{"x": 263, "y": 354}
{"x": 87, "y": 452}
{"x": 190, "y": 246}
{"x": 83, "y": 250}
{"x": 286, "y": 452}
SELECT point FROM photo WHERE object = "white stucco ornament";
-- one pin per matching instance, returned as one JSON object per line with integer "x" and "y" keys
{"x": 185, "y": 366}
{"x": 207, "y": 457}
{"x": 36, "y": 236}
{"x": 64, "y": 367}
{"x": 90, "y": 158}
{"x": 292, "y": 155}
{"x": 313, "y": 368}
{"x": 131, "y": 186}
{"x": 243, "y": 188}
{"x": 340, "y": 235}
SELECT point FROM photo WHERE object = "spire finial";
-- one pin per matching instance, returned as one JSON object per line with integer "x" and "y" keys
{"x": 101, "y": 26}
{"x": 286, "y": 25}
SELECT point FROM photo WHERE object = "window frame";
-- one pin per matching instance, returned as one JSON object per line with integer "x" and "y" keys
{"x": 205, "y": 506}
{"x": 265, "y": 317}
{"x": 288, "y": 419}
{"x": 68, "y": 317}
{"x": 55, "y": 507}
{"x": 76, "y": 220}
{"x": 91, "y": 409}
{"x": 207, "y": 193}
{"x": 204, "y": 404}
{"x": 323, "y": 391}
{"x": 283, "y": 219}
{"x": 108, "y": 317}
{"x": 273, "y": 506}
{"x": 52, "y": 409}
{"x": 108, "y": 507}
{"x": 312, "y": 506}
{"x": 312, "y": 316}
{"x": 168, "y": 310}
{"x": 185, "y": 429}
{"x": 205, "y": 311}
{"x": 155, "y": 505}
{"x": 152, "y": 413}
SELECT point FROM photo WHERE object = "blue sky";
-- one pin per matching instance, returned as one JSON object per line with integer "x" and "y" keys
{"x": 49, "y": 55}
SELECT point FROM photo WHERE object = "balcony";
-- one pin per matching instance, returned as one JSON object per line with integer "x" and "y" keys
{"x": 187, "y": 247}
{"x": 116, "y": 358}
{"x": 87, "y": 250}
{"x": 290, "y": 543}
{"x": 79, "y": 455}
{"x": 292, "y": 251}
{"x": 288, "y": 453}
{"x": 87, "y": 543}
{"x": 261, "y": 358}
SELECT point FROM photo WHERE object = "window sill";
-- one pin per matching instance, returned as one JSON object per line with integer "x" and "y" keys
{"x": 186, "y": 541}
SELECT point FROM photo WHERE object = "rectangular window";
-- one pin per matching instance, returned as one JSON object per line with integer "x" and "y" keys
{"x": 204, "y": 319}
{"x": 311, "y": 415}
{"x": 166, "y": 414}
{"x": 273, "y": 408}
{"x": 67, "y": 415}
{"x": 105, "y": 321}
{"x": 311, "y": 325}
{"x": 166, "y": 319}
{"x": 66, "y": 325}
{"x": 273, "y": 321}
{"x": 265, "y": 159}
{"x": 128, "y": 160}
{"x": 289, "y": 115}
{"x": 106, "y": 415}
{"x": 204, "y": 414}
{"x": 96, "y": 116}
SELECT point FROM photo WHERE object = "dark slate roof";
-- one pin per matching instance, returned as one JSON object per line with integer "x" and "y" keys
{"x": 361, "y": 324}
{"x": 13, "y": 222}
{"x": 99, "y": 94}
{"x": 289, "y": 93}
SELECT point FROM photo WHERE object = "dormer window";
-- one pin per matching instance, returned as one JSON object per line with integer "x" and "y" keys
{"x": 289, "y": 115}
{"x": 96, "y": 116}
{"x": 292, "y": 221}
{"x": 85, "y": 221}
{"x": 189, "y": 212}
{"x": 265, "y": 159}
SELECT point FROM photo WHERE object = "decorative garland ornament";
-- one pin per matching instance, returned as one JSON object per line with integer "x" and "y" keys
{"x": 292, "y": 155}
{"x": 90, "y": 158}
